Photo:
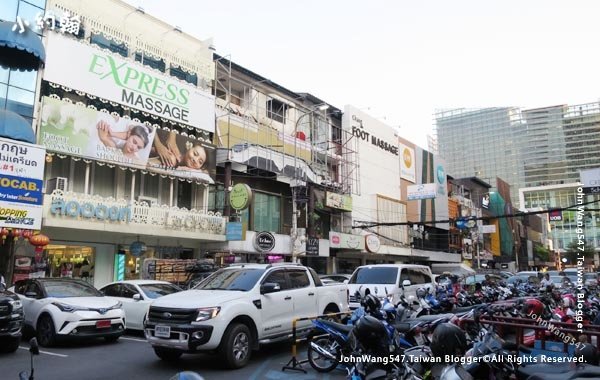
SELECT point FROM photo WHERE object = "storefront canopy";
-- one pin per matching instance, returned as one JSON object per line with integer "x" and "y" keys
{"x": 20, "y": 51}
{"x": 13, "y": 126}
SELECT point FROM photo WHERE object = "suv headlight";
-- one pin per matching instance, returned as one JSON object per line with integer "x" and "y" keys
{"x": 68, "y": 308}
{"x": 206, "y": 313}
{"x": 16, "y": 304}
{"x": 118, "y": 305}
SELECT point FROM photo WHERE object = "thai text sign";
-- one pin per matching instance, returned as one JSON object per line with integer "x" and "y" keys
{"x": 338, "y": 201}
{"x": 112, "y": 77}
{"x": 21, "y": 175}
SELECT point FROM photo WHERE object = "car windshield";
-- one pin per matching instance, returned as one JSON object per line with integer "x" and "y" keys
{"x": 64, "y": 289}
{"x": 242, "y": 279}
{"x": 590, "y": 276}
{"x": 558, "y": 279}
{"x": 158, "y": 290}
{"x": 375, "y": 275}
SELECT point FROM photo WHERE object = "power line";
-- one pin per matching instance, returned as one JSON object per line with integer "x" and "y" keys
{"x": 366, "y": 224}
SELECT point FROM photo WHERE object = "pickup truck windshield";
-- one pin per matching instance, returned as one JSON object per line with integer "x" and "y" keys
{"x": 375, "y": 275}
{"x": 242, "y": 279}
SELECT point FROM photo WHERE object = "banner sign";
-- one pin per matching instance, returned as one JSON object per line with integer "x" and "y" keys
{"x": 234, "y": 231}
{"x": 109, "y": 76}
{"x": 312, "y": 246}
{"x": 424, "y": 191}
{"x": 21, "y": 181}
{"x": 488, "y": 229}
{"x": 347, "y": 241}
{"x": 555, "y": 215}
{"x": 84, "y": 132}
{"x": 407, "y": 163}
{"x": 338, "y": 201}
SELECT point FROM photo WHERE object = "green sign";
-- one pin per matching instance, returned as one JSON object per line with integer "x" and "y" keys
{"x": 240, "y": 196}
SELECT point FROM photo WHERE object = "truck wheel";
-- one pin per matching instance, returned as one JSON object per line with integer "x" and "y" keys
{"x": 9, "y": 345}
{"x": 236, "y": 346}
{"x": 46, "y": 334}
{"x": 167, "y": 354}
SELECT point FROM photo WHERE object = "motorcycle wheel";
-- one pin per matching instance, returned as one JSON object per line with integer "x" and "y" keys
{"x": 319, "y": 362}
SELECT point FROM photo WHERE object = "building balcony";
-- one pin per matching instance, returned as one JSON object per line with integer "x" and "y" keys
{"x": 108, "y": 215}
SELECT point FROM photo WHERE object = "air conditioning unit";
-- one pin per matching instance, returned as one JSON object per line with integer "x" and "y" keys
{"x": 57, "y": 183}
{"x": 148, "y": 200}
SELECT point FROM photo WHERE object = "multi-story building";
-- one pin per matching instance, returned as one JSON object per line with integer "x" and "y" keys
{"x": 526, "y": 148}
{"x": 127, "y": 117}
{"x": 558, "y": 142}
{"x": 564, "y": 223}
{"x": 482, "y": 143}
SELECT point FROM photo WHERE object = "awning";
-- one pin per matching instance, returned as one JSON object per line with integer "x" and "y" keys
{"x": 20, "y": 51}
{"x": 15, "y": 127}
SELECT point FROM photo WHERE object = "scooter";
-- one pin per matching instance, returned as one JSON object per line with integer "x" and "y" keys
{"x": 34, "y": 349}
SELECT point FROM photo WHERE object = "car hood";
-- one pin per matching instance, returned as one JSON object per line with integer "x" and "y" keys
{"x": 90, "y": 302}
{"x": 198, "y": 298}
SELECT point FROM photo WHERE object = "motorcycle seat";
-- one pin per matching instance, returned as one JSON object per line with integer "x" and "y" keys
{"x": 337, "y": 326}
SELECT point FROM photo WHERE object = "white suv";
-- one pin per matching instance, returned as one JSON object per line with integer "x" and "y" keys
{"x": 59, "y": 308}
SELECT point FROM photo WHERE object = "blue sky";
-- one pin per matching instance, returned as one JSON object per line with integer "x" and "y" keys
{"x": 401, "y": 60}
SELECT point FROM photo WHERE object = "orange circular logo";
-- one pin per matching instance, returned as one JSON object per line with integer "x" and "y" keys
{"x": 406, "y": 156}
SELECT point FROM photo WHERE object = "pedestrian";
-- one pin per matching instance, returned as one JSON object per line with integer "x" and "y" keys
{"x": 546, "y": 283}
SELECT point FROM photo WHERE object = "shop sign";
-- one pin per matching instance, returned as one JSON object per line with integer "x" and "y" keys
{"x": 488, "y": 229}
{"x": 240, "y": 196}
{"x": 234, "y": 231}
{"x": 372, "y": 243}
{"x": 346, "y": 241}
{"x": 555, "y": 215}
{"x": 338, "y": 201}
{"x": 109, "y": 76}
{"x": 312, "y": 246}
{"x": 84, "y": 132}
{"x": 264, "y": 241}
{"x": 407, "y": 163}
{"x": 89, "y": 210}
{"x": 21, "y": 181}
{"x": 423, "y": 191}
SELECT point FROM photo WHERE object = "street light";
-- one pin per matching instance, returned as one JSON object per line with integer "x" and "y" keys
{"x": 294, "y": 231}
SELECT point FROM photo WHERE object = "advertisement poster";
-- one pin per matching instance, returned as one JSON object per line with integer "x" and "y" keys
{"x": 407, "y": 163}
{"x": 21, "y": 175}
{"x": 109, "y": 76}
{"x": 183, "y": 157}
{"x": 28, "y": 263}
{"x": 84, "y": 132}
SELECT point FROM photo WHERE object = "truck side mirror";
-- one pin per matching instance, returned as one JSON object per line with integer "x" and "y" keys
{"x": 406, "y": 283}
{"x": 137, "y": 297}
{"x": 269, "y": 287}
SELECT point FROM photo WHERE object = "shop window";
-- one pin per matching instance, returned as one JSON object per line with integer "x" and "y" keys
{"x": 266, "y": 212}
{"x": 276, "y": 110}
{"x": 150, "y": 188}
{"x": 298, "y": 279}
{"x": 184, "y": 195}
{"x": 103, "y": 183}
{"x": 103, "y": 42}
{"x": 157, "y": 64}
{"x": 70, "y": 261}
{"x": 183, "y": 75}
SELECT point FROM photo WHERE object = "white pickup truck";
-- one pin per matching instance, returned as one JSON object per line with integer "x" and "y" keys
{"x": 237, "y": 308}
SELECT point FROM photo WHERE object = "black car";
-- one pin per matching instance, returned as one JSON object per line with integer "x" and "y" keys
{"x": 11, "y": 320}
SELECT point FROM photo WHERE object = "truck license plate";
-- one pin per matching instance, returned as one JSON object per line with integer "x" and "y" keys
{"x": 162, "y": 331}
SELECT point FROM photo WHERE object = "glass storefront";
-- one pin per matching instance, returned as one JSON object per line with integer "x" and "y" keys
{"x": 71, "y": 261}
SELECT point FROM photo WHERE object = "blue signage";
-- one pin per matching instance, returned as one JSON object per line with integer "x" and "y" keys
{"x": 441, "y": 175}
{"x": 89, "y": 210}
{"x": 137, "y": 248}
{"x": 21, "y": 190}
{"x": 234, "y": 231}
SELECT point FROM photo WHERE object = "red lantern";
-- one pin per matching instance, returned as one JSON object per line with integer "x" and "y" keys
{"x": 16, "y": 233}
{"x": 27, "y": 234}
{"x": 4, "y": 233}
{"x": 39, "y": 241}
